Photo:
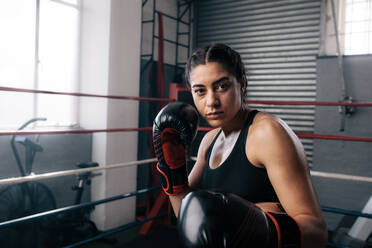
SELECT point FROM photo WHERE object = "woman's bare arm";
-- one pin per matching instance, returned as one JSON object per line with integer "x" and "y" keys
{"x": 278, "y": 149}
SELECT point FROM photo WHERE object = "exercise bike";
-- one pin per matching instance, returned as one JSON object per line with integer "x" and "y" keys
{"x": 23, "y": 199}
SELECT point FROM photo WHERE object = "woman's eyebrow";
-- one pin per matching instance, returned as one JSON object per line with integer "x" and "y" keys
{"x": 214, "y": 83}
{"x": 220, "y": 80}
{"x": 197, "y": 85}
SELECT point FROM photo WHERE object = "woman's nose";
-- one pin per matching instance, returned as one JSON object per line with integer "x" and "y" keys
{"x": 212, "y": 100}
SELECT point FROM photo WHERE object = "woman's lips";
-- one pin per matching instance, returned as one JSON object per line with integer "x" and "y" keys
{"x": 214, "y": 115}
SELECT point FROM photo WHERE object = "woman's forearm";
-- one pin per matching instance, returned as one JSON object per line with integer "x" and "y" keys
{"x": 270, "y": 206}
{"x": 176, "y": 201}
{"x": 314, "y": 231}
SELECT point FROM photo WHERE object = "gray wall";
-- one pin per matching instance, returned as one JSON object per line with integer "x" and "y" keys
{"x": 278, "y": 42}
{"x": 61, "y": 152}
{"x": 346, "y": 157}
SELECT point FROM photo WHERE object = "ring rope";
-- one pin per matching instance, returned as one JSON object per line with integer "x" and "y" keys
{"x": 155, "y": 99}
{"x": 333, "y": 137}
{"x": 266, "y": 102}
{"x": 116, "y": 230}
{"x": 77, "y": 131}
{"x": 331, "y": 244}
{"x": 35, "y": 177}
{"x": 346, "y": 212}
{"x": 57, "y": 211}
{"x": 341, "y": 176}
{"x": 312, "y": 103}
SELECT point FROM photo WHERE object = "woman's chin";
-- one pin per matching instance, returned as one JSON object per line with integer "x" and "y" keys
{"x": 215, "y": 123}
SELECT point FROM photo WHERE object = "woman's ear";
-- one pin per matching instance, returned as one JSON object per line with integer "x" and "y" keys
{"x": 244, "y": 84}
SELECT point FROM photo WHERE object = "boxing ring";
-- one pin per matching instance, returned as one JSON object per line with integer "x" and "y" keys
{"x": 155, "y": 212}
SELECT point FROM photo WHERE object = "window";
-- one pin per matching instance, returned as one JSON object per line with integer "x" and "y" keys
{"x": 38, "y": 50}
{"x": 358, "y": 27}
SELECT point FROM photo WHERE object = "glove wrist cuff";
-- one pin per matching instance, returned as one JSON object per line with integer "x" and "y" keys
{"x": 173, "y": 181}
{"x": 288, "y": 232}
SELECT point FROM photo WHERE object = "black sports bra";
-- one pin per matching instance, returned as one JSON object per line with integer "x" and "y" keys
{"x": 236, "y": 174}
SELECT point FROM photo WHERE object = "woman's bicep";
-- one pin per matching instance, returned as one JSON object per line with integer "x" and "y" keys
{"x": 293, "y": 186}
{"x": 288, "y": 172}
{"x": 291, "y": 180}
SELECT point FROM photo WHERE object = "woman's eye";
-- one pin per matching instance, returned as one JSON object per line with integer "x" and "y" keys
{"x": 198, "y": 91}
{"x": 222, "y": 87}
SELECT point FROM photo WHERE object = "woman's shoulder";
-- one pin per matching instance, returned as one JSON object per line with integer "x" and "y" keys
{"x": 208, "y": 138}
{"x": 197, "y": 171}
{"x": 264, "y": 117}
{"x": 206, "y": 142}
{"x": 265, "y": 124}
{"x": 267, "y": 136}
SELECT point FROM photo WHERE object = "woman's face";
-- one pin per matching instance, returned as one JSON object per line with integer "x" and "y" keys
{"x": 216, "y": 93}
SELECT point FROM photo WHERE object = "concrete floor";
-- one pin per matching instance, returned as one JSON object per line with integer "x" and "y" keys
{"x": 162, "y": 237}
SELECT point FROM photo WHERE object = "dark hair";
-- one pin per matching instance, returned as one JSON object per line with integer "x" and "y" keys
{"x": 219, "y": 53}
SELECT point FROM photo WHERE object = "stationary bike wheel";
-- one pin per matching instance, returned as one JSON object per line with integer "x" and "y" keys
{"x": 20, "y": 200}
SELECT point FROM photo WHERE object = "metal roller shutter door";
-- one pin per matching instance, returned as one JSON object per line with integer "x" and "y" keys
{"x": 279, "y": 42}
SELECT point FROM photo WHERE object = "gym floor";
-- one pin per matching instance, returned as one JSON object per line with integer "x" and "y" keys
{"x": 162, "y": 237}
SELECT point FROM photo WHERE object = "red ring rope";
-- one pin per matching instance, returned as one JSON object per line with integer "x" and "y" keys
{"x": 332, "y": 137}
{"x": 300, "y": 135}
{"x": 76, "y": 131}
{"x": 311, "y": 103}
{"x": 355, "y": 104}
{"x": 88, "y": 95}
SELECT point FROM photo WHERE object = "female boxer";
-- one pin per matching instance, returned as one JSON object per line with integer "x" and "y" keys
{"x": 250, "y": 185}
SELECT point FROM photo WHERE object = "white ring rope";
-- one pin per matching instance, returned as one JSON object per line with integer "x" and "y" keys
{"x": 341, "y": 176}
{"x": 35, "y": 177}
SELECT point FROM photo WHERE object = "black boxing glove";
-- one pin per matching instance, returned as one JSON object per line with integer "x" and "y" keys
{"x": 220, "y": 220}
{"x": 174, "y": 129}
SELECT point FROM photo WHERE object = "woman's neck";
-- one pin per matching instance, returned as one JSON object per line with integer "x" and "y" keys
{"x": 237, "y": 123}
